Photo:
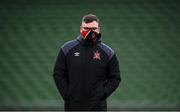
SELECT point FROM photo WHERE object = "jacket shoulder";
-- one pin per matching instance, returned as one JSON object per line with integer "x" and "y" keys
{"x": 108, "y": 50}
{"x": 69, "y": 45}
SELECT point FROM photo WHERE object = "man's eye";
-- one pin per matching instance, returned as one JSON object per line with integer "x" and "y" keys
{"x": 93, "y": 28}
{"x": 86, "y": 28}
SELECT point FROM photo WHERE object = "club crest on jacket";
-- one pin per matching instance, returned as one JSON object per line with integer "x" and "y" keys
{"x": 97, "y": 55}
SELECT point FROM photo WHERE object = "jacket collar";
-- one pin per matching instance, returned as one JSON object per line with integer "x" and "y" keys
{"x": 85, "y": 43}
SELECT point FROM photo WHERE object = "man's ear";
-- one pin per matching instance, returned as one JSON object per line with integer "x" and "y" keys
{"x": 99, "y": 29}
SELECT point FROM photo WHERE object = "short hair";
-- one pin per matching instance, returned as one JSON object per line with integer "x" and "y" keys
{"x": 90, "y": 18}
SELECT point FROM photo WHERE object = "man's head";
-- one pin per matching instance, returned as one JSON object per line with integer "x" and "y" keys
{"x": 90, "y": 27}
{"x": 90, "y": 22}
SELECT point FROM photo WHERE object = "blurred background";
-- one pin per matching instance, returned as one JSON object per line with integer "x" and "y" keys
{"x": 144, "y": 33}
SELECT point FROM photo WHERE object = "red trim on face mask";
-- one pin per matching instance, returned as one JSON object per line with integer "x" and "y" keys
{"x": 84, "y": 33}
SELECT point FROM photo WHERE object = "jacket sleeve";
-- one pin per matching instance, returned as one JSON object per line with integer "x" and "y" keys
{"x": 113, "y": 76}
{"x": 60, "y": 74}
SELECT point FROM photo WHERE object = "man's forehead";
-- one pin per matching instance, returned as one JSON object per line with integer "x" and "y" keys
{"x": 91, "y": 24}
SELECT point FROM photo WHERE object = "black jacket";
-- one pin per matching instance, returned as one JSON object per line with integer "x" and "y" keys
{"x": 86, "y": 73}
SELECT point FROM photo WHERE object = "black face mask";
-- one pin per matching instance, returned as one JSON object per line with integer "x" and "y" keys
{"x": 91, "y": 36}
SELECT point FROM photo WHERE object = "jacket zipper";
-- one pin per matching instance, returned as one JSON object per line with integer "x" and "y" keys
{"x": 85, "y": 74}
{"x": 84, "y": 79}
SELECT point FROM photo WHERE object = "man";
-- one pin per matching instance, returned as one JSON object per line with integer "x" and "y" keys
{"x": 86, "y": 70}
